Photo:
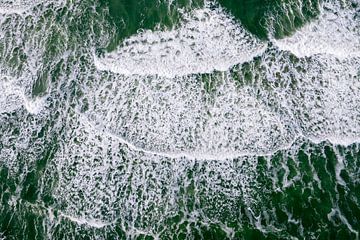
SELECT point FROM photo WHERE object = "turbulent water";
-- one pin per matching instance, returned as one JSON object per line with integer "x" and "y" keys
{"x": 179, "y": 119}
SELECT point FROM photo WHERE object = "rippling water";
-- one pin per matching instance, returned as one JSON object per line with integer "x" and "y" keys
{"x": 182, "y": 119}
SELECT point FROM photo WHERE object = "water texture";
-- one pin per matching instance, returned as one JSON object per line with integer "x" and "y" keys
{"x": 179, "y": 119}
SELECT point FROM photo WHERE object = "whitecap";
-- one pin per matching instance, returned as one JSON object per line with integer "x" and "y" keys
{"x": 207, "y": 40}
{"x": 335, "y": 32}
{"x": 13, "y": 97}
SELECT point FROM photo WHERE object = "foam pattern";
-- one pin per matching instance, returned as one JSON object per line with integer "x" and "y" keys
{"x": 335, "y": 32}
{"x": 13, "y": 97}
{"x": 284, "y": 97}
{"x": 208, "y": 40}
{"x": 281, "y": 98}
{"x": 27, "y": 43}
{"x": 17, "y": 6}
{"x": 96, "y": 192}
{"x": 173, "y": 150}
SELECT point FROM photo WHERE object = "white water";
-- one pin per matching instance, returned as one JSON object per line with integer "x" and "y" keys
{"x": 169, "y": 112}
{"x": 335, "y": 32}
{"x": 208, "y": 40}
{"x": 142, "y": 132}
{"x": 13, "y": 97}
{"x": 17, "y": 6}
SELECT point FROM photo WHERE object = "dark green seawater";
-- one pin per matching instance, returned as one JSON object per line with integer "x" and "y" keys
{"x": 132, "y": 16}
{"x": 183, "y": 119}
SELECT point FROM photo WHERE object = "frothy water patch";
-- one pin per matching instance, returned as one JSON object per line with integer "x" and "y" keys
{"x": 257, "y": 107}
{"x": 206, "y": 143}
{"x": 175, "y": 117}
{"x": 17, "y": 6}
{"x": 13, "y": 97}
{"x": 336, "y": 32}
{"x": 110, "y": 169}
{"x": 117, "y": 156}
{"x": 208, "y": 40}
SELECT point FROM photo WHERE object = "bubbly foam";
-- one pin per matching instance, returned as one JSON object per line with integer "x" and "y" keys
{"x": 105, "y": 171}
{"x": 17, "y": 6}
{"x": 336, "y": 32}
{"x": 94, "y": 179}
{"x": 280, "y": 98}
{"x": 123, "y": 149}
{"x": 13, "y": 97}
{"x": 177, "y": 117}
{"x": 208, "y": 40}
{"x": 90, "y": 222}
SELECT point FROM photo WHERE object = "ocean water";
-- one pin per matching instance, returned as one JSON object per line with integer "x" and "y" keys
{"x": 179, "y": 119}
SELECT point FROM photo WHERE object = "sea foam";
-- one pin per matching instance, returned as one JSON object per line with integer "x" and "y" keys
{"x": 207, "y": 40}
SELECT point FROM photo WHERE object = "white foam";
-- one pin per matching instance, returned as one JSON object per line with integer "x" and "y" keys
{"x": 127, "y": 143}
{"x": 208, "y": 40}
{"x": 336, "y": 212}
{"x": 175, "y": 117}
{"x": 90, "y": 188}
{"x": 170, "y": 114}
{"x": 336, "y": 32}
{"x": 13, "y": 97}
{"x": 203, "y": 155}
{"x": 90, "y": 222}
{"x": 17, "y": 6}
